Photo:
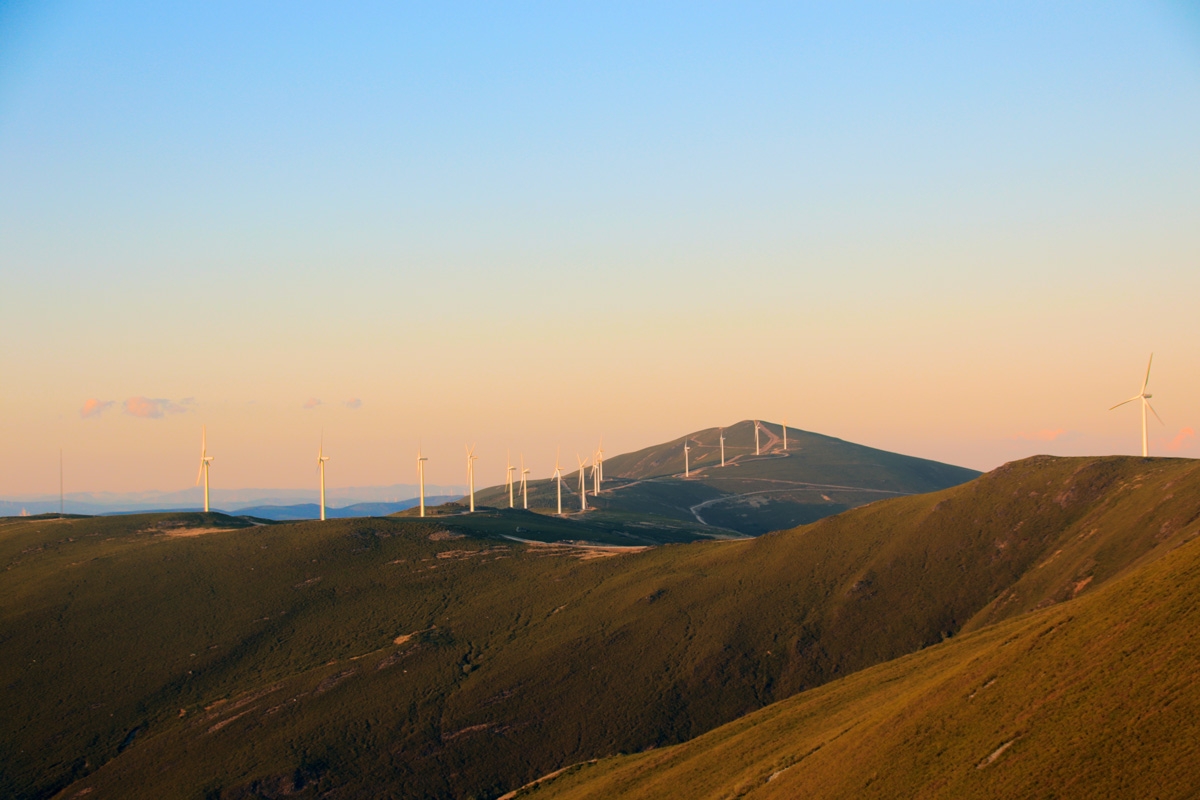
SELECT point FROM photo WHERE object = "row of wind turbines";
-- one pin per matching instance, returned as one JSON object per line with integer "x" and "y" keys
{"x": 596, "y": 461}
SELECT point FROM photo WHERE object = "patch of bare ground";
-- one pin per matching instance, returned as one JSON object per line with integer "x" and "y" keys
{"x": 443, "y": 536}
{"x": 178, "y": 533}
{"x": 580, "y": 550}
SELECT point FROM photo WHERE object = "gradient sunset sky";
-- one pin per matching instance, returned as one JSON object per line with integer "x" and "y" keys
{"x": 953, "y": 230}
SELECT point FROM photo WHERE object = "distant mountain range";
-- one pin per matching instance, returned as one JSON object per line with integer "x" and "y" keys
{"x": 233, "y": 500}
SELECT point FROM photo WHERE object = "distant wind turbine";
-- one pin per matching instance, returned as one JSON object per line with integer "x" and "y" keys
{"x": 524, "y": 485}
{"x": 756, "y": 452}
{"x": 785, "y": 434}
{"x": 205, "y": 460}
{"x": 558, "y": 479}
{"x": 722, "y": 447}
{"x": 600, "y": 466}
{"x": 1145, "y": 398}
{"x": 582, "y": 485}
{"x": 686, "y": 450}
{"x": 471, "y": 474}
{"x": 321, "y": 459}
{"x": 508, "y": 476}
{"x": 421, "y": 476}
{"x": 61, "y": 496}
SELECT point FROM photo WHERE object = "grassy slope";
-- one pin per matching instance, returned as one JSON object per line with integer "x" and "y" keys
{"x": 817, "y": 476}
{"x": 1097, "y": 697}
{"x": 525, "y": 658}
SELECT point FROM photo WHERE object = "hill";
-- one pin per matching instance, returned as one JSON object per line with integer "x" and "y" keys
{"x": 1096, "y": 697}
{"x": 299, "y": 511}
{"x": 814, "y": 477}
{"x": 401, "y": 657}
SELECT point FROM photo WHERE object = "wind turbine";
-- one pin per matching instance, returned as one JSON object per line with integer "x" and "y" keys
{"x": 524, "y": 485}
{"x": 785, "y": 434}
{"x": 508, "y": 476}
{"x": 205, "y": 460}
{"x": 582, "y": 485}
{"x": 722, "y": 447}
{"x": 756, "y": 452}
{"x": 600, "y": 466}
{"x": 558, "y": 478}
{"x": 1145, "y": 398}
{"x": 321, "y": 459}
{"x": 421, "y": 476}
{"x": 471, "y": 458}
{"x": 686, "y": 450}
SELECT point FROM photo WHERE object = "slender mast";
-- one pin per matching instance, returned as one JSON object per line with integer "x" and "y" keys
{"x": 722, "y": 448}
{"x": 686, "y": 469}
{"x": 61, "y": 504}
{"x": 756, "y": 451}
{"x": 421, "y": 477}
{"x": 785, "y": 433}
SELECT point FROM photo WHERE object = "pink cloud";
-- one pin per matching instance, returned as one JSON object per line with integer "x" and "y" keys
{"x": 311, "y": 403}
{"x": 151, "y": 407}
{"x": 94, "y": 408}
{"x": 1181, "y": 439}
{"x": 1041, "y": 436}
{"x": 353, "y": 403}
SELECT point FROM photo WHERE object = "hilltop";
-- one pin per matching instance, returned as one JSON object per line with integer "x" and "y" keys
{"x": 418, "y": 658}
{"x": 816, "y": 476}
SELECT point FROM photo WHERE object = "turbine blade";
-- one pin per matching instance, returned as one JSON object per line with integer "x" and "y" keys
{"x": 1123, "y": 402}
{"x": 1146, "y": 382}
{"x": 200, "y": 472}
{"x": 1155, "y": 413}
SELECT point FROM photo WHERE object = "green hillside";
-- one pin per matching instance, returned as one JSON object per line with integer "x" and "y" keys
{"x": 815, "y": 477}
{"x": 1097, "y": 697}
{"x": 400, "y": 657}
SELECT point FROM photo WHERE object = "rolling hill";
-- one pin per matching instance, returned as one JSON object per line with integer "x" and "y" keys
{"x": 201, "y": 655}
{"x": 1097, "y": 697}
{"x": 815, "y": 477}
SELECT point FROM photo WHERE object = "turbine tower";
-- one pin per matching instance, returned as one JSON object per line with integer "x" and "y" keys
{"x": 321, "y": 459}
{"x": 421, "y": 476}
{"x": 582, "y": 485}
{"x": 722, "y": 447}
{"x": 471, "y": 475}
{"x": 205, "y": 460}
{"x": 1145, "y": 398}
{"x": 558, "y": 478}
{"x": 785, "y": 434}
{"x": 756, "y": 451}
{"x": 61, "y": 503}
{"x": 524, "y": 485}
{"x": 686, "y": 471}
{"x": 508, "y": 476}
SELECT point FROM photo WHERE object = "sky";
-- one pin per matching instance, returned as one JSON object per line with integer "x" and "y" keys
{"x": 952, "y": 230}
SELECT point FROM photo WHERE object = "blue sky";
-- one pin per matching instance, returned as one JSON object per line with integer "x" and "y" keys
{"x": 932, "y": 227}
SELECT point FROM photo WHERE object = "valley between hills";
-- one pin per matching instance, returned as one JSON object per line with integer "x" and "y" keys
{"x": 1027, "y": 631}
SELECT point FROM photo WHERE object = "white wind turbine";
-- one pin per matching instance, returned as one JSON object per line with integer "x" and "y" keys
{"x": 600, "y": 466}
{"x": 582, "y": 485}
{"x": 558, "y": 479}
{"x": 205, "y": 460}
{"x": 686, "y": 450}
{"x": 508, "y": 476}
{"x": 1145, "y": 398}
{"x": 722, "y": 447}
{"x": 421, "y": 476}
{"x": 785, "y": 434}
{"x": 471, "y": 458}
{"x": 321, "y": 459}
{"x": 524, "y": 485}
{"x": 756, "y": 452}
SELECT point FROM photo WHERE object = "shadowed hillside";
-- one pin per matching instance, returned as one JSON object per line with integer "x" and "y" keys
{"x": 1097, "y": 697}
{"x": 814, "y": 477}
{"x": 399, "y": 657}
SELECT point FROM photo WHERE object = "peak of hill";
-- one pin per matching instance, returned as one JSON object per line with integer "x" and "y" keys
{"x": 426, "y": 658}
{"x": 773, "y": 486}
